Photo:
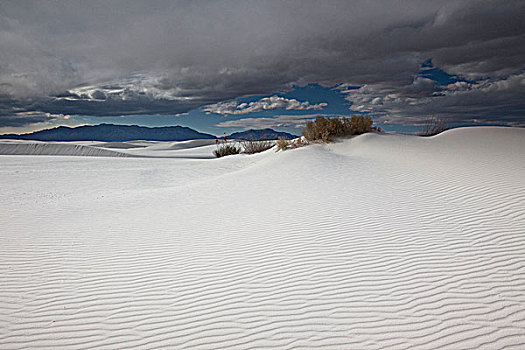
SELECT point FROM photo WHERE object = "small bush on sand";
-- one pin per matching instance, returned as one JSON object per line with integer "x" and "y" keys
{"x": 325, "y": 129}
{"x": 318, "y": 130}
{"x": 433, "y": 127}
{"x": 283, "y": 143}
{"x": 225, "y": 148}
{"x": 299, "y": 142}
{"x": 256, "y": 146}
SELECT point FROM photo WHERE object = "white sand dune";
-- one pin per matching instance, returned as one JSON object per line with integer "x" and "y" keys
{"x": 9, "y": 147}
{"x": 119, "y": 145}
{"x": 375, "y": 242}
{"x": 195, "y": 149}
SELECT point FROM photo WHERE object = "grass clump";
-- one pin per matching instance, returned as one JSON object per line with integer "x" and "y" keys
{"x": 225, "y": 148}
{"x": 256, "y": 146}
{"x": 433, "y": 127}
{"x": 325, "y": 129}
{"x": 228, "y": 148}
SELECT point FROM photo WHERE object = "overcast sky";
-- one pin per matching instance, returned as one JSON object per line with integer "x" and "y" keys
{"x": 67, "y": 62}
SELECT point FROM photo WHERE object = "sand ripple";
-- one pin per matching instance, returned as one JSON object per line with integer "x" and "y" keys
{"x": 355, "y": 246}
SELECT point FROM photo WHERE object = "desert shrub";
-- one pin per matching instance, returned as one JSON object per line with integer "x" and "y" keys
{"x": 283, "y": 143}
{"x": 361, "y": 124}
{"x": 225, "y": 148}
{"x": 256, "y": 146}
{"x": 324, "y": 129}
{"x": 299, "y": 142}
{"x": 433, "y": 127}
{"x": 317, "y": 130}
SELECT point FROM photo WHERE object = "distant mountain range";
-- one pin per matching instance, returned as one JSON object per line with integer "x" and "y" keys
{"x": 260, "y": 134}
{"x": 111, "y": 132}
{"x": 114, "y": 133}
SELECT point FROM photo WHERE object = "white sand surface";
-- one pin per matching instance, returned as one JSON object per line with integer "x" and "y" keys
{"x": 194, "y": 149}
{"x": 23, "y": 147}
{"x": 375, "y": 242}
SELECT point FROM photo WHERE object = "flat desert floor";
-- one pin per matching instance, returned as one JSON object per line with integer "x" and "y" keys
{"x": 373, "y": 242}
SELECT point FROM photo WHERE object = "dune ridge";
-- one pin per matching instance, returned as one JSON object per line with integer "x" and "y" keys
{"x": 55, "y": 149}
{"x": 193, "y": 149}
{"x": 375, "y": 242}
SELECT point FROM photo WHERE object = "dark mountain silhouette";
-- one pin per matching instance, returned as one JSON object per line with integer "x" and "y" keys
{"x": 111, "y": 132}
{"x": 260, "y": 134}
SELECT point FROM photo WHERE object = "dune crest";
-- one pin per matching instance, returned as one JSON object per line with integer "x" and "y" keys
{"x": 55, "y": 149}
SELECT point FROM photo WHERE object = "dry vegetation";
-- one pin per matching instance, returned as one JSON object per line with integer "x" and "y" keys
{"x": 256, "y": 146}
{"x": 319, "y": 130}
{"x": 325, "y": 129}
{"x": 433, "y": 127}
{"x": 226, "y": 148}
{"x": 283, "y": 143}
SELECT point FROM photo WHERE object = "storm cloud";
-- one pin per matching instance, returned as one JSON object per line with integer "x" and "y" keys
{"x": 105, "y": 58}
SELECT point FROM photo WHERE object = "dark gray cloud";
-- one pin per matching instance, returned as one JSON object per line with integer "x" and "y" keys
{"x": 18, "y": 121}
{"x": 163, "y": 57}
{"x": 492, "y": 101}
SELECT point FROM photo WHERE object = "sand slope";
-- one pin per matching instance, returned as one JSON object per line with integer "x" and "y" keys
{"x": 193, "y": 149}
{"x": 376, "y": 242}
{"x": 33, "y": 148}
